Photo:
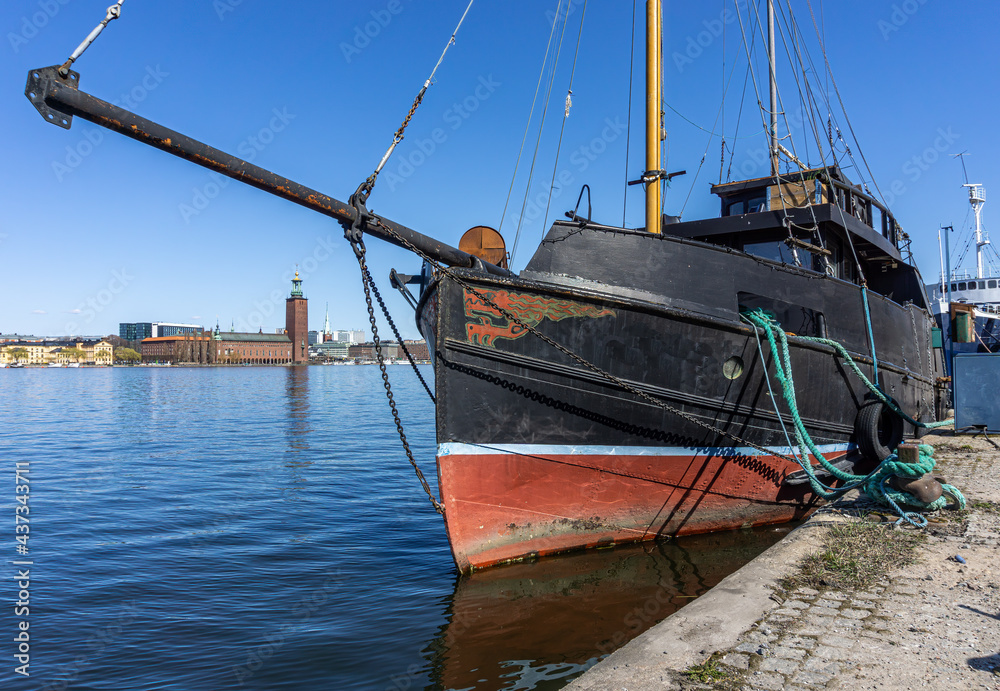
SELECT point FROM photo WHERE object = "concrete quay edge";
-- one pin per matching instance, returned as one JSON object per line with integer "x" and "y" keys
{"x": 712, "y": 623}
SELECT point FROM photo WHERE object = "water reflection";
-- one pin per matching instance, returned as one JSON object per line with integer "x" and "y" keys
{"x": 297, "y": 430}
{"x": 541, "y": 624}
{"x": 297, "y": 395}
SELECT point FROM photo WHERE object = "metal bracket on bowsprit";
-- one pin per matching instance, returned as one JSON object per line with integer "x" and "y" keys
{"x": 40, "y": 85}
{"x": 354, "y": 233}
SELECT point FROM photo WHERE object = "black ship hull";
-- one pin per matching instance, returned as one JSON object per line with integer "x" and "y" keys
{"x": 539, "y": 454}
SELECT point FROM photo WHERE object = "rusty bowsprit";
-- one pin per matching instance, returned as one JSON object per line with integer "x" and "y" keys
{"x": 58, "y": 99}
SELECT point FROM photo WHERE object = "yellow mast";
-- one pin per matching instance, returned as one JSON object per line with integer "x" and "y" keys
{"x": 654, "y": 115}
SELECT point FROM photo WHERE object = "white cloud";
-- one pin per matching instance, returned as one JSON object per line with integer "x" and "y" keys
{"x": 39, "y": 312}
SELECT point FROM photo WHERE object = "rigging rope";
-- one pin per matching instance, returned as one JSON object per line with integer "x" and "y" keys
{"x": 739, "y": 119}
{"x": 836, "y": 90}
{"x": 531, "y": 113}
{"x": 354, "y": 232}
{"x": 562, "y": 129}
{"x": 753, "y": 76}
{"x": 712, "y": 131}
{"x": 369, "y": 184}
{"x": 725, "y": 90}
{"x": 113, "y": 13}
{"x": 541, "y": 128}
{"x": 720, "y": 115}
{"x": 628, "y": 126}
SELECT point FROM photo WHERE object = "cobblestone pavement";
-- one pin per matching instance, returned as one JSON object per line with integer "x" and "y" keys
{"x": 935, "y": 624}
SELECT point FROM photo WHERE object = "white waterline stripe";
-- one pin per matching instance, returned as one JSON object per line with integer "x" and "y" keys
{"x": 461, "y": 449}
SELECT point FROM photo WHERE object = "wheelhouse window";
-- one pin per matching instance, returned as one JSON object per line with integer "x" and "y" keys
{"x": 961, "y": 286}
{"x": 749, "y": 203}
{"x": 774, "y": 249}
{"x": 993, "y": 284}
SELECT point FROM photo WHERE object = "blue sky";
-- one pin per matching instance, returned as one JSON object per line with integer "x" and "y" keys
{"x": 96, "y": 229}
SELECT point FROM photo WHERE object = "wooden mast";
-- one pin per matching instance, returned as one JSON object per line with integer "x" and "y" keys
{"x": 654, "y": 118}
{"x": 772, "y": 81}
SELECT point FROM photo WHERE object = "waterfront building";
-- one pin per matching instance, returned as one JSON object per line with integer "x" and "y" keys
{"x": 218, "y": 347}
{"x": 167, "y": 329}
{"x": 418, "y": 349}
{"x": 390, "y": 350}
{"x": 297, "y": 321}
{"x": 44, "y": 352}
{"x": 252, "y": 348}
{"x": 357, "y": 336}
{"x": 183, "y": 348}
{"x": 331, "y": 350}
{"x": 315, "y": 337}
{"x": 137, "y": 331}
{"x": 366, "y": 351}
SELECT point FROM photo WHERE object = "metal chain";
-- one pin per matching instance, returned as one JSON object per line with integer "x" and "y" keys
{"x": 395, "y": 332}
{"x": 366, "y": 280}
{"x": 586, "y": 363}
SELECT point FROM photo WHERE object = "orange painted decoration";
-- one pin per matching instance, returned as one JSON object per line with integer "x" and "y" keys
{"x": 530, "y": 309}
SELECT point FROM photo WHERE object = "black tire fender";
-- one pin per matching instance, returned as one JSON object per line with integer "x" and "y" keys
{"x": 878, "y": 429}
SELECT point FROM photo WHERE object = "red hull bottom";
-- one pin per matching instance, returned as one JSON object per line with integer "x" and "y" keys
{"x": 502, "y": 507}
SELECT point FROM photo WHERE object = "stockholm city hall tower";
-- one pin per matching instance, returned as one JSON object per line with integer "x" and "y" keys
{"x": 297, "y": 322}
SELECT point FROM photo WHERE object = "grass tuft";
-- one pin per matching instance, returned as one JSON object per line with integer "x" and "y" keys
{"x": 706, "y": 673}
{"x": 857, "y": 555}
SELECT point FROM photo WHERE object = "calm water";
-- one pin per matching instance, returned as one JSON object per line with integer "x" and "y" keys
{"x": 260, "y": 528}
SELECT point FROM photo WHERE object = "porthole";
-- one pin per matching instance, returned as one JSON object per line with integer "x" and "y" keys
{"x": 733, "y": 367}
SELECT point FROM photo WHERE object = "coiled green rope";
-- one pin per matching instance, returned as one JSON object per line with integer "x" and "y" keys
{"x": 878, "y": 488}
{"x": 875, "y": 485}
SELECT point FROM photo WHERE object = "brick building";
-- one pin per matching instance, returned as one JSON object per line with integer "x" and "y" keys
{"x": 181, "y": 348}
{"x": 366, "y": 351}
{"x": 219, "y": 347}
{"x": 418, "y": 349}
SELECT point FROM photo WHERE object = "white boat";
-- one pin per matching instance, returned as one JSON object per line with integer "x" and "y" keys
{"x": 966, "y": 306}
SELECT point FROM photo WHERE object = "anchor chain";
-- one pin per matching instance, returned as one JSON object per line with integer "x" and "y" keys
{"x": 369, "y": 286}
{"x": 395, "y": 332}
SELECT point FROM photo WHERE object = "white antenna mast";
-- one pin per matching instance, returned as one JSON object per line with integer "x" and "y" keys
{"x": 977, "y": 197}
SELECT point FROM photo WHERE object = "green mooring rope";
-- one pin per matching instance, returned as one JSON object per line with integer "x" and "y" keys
{"x": 875, "y": 485}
